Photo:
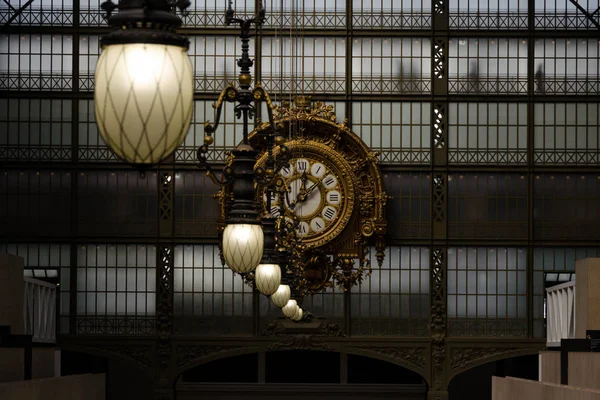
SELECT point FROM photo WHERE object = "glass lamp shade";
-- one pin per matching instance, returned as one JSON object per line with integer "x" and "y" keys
{"x": 290, "y": 309}
{"x": 298, "y": 315}
{"x": 281, "y": 296}
{"x": 267, "y": 278}
{"x": 243, "y": 246}
{"x": 143, "y": 99}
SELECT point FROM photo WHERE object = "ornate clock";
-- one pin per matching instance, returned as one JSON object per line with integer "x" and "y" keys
{"x": 332, "y": 191}
{"x": 320, "y": 192}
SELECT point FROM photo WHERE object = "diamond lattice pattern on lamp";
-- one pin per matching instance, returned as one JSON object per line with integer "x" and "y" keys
{"x": 143, "y": 99}
{"x": 267, "y": 277}
{"x": 243, "y": 246}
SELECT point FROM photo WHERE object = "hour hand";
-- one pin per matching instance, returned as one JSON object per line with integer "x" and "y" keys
{"x": 302, "y": 191}
{"x": 310, "y": 189}
{"x": 303, "y": 185}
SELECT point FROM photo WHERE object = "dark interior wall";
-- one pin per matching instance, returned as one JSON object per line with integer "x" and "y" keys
{"x": 123, "y": 382}
{"x": 127, "y": 383}
{"x": 296, "y": 392}
{"x": 300, "y": 375}
{"x": 476, "y": 383}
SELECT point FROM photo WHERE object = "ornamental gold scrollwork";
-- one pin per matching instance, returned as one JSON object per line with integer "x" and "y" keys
{"x": 342, "y": 249}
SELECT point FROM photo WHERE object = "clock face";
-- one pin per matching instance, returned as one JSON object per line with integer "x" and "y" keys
{"x": 318, "y": 194}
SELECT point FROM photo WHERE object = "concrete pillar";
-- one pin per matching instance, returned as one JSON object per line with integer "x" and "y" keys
{"x": 587, "y": 296}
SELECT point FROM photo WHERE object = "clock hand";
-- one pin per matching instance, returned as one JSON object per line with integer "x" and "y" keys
{"x": 310, "y": 189}
{"x": 303, "y": 195}
{"x": 302, "y": 187}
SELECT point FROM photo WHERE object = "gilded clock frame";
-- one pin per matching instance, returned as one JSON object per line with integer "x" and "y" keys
{"x": 362, "y": 224}
{"x": 308, "y": 148}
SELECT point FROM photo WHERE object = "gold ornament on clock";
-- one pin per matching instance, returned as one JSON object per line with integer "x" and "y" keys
{"x": 318, "y": 192}
{"x": 328, "y": 198}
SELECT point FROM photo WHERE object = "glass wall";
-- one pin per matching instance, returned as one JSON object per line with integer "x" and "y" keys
{"x": 486, "y": 129}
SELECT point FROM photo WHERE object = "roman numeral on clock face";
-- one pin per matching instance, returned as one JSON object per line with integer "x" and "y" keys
{"x": 303, "y": 228}
{"x": 287, "y": 170}
{"x": 329, "y": 182}
{"x": 318, "y": 170}
{"x": 329, "y": 213}
{"x": 334, "y": 197}
{"x": 302, "y": 165}
{"x": 317, "y": 224}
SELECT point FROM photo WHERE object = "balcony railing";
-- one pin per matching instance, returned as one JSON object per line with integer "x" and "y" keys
{"x": 39, "y": 310}
{"x": 560, "y": 306}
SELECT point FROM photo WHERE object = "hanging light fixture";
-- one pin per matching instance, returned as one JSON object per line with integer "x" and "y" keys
{"x": 242, "y": 237}
{"x": 268, "y": 273}
{"x": 143, "y": 88}
{"x": 298, "y": 316}
{"x": 143, "y": 104}
{"x": 281, "y": 296}
{"x": 290, "y": 309}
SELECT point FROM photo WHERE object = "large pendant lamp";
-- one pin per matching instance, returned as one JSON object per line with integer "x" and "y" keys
{"x": 268, "y": 273}
{"x": 143, "y": 87}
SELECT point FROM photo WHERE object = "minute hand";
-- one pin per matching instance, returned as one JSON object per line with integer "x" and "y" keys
{"x": 310, "y": 189}
{"x": 303, "y": 195}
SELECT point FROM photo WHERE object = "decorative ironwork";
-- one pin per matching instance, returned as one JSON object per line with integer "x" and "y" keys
{"x": 439, "y": 6}
{"x": 115, "y": 325}
{"x": 165, "y": 292}
{"x": 319, "y": 140}
{"x": 36, "y": 17}
{"x": 325, "y": 328}
{"x": 35, "y": 82}
{"x": 568, "y": 85}
{"x": 208, "y": 18}
{"x": 167, "y": 184}
{"x": 439, "y": 198}
{"x": 164, "y": 312}
{"x": 439, "y": 58}
{"x": 391, "y": 85}
{"x": 38, "y": 153}
{"x": 437, "y": 325}
{"x": 462, "y": 357}
{"x": 414, "y": 357}
{"x": 496, "y": 20}
{"x": 310, "y": 19}
{"x": 325, "y": 84}
{"x": 438, "y": 262}
{"x": 480, "y": 86}
{"x": 385, "y": 20}
{"x": 500, "y": 157}
{"x": 591, "y": 16}
{"x": 563, "y": 21}
{"x": 439, "y": 127}
{"x": 490, "y": 327}
{"x": 300, "y": 342}
{"x": 96, "y": 154}
{"x": 415, "y": 156}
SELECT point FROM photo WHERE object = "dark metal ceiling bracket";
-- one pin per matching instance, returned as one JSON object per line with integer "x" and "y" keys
{"x": 586, "y": 13}
{"x": 10, "y": 5}
{"x": 18, "y": 12}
